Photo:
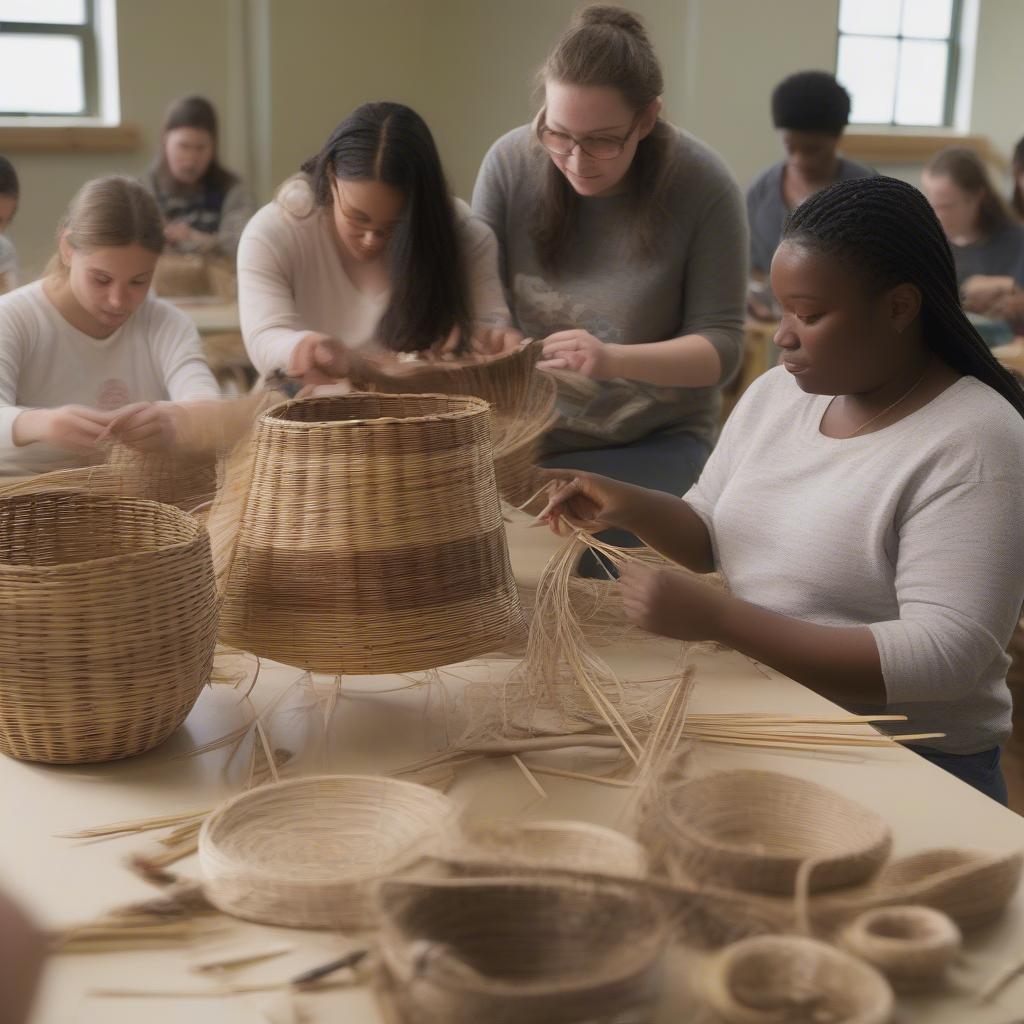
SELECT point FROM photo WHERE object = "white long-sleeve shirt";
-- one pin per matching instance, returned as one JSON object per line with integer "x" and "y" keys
{"x": 153, "y": 356}
{"x": 291, "y": 280}
{"x": 915, "y": 531}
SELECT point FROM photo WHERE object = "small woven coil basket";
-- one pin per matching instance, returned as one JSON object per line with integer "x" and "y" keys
{"x": 575, "y": 846}
{"x": 108, "y": 622}
{"x": 786, "y": 979}
{"x": 310, "y": 852}
{"x": 517, "y": 950}
{"x": 371, "y": 538}
{"x": 753, "y": 830}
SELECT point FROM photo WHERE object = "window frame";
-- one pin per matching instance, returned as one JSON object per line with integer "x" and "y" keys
{"x": 953, "y": 44}
{"x": 86, "y": 34}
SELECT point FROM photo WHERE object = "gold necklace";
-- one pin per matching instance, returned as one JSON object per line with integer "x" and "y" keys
{"x": 889, "y": 408}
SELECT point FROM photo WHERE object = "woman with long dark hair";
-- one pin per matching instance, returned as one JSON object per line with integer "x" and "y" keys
{"x": 623, "y": 243}
{"x": 204, "y": 204}
{"x": 366, "y": 246}
{"x": 864, "y": 500}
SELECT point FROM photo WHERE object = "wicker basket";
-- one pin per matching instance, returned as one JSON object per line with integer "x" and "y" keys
{"x": 108, "y": 621}
{"x": 753, "y": 830}
{"x": 173, "y": 479}
{"x": 513, "y": 847}
{"x": 773, "y": 979}
{"x": 518, "y": 437}
{"x": 310, "y": 852}
{"x": 517, "y": 951}
{"x": 372, "y": 538}
{"x": 193, "y": 275}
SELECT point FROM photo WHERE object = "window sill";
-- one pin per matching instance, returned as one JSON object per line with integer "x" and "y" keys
{"x": 112, "y": 138}
{"x": 903, "y": 146}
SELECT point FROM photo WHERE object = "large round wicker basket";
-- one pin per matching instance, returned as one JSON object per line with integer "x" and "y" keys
{"x": 371, "y": 538}
{"x": 108, "y": 621}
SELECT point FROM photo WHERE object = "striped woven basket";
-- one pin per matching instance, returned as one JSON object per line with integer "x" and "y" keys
{"x": 371, "y": 538}
{"x": 108, "y": 621}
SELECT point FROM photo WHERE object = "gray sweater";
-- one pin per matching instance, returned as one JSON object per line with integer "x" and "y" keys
{"x": 693, "y": 284}
{"x": 913, "y": 531}
{"x": 999, "y": 255}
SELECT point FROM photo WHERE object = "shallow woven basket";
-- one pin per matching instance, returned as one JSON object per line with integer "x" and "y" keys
{"x": 506, "y": 950}
{"x": 174, "y": 479}
{"x": 108, "y": 621}
{"x": 786, "y": 979}
{"x": 193, "y": 275}
{"x": 310, "y": 852}
{"x": 754, "y": 829}
{"x": 511, "y": 847}
{"x": 372, "y": 538}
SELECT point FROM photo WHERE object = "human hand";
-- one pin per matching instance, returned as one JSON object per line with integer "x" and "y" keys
{"x": 496, "y": 341}
{"x": 588, "y": 501}
{"x": 148, "y": 426}
{"x": 670, "y": 603}
{"x": 579, "y": 351}
{"x": 178, "y": 232}
{"x": 319, "y": 359}
{"x": 981, "y": 292}
{"x": 72, "y": 428}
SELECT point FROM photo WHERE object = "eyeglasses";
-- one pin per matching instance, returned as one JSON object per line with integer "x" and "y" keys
{"x": 599, "y": 147}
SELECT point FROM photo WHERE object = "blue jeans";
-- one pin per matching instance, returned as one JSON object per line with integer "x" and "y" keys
{"x": 662, "y": 462}
{"x": 982, "y": 771}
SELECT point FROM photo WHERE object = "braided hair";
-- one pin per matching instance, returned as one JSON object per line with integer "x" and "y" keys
{"x": 885, "y": 231}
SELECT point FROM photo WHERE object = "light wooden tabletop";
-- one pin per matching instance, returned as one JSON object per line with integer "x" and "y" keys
{"x": 64, "y": 881}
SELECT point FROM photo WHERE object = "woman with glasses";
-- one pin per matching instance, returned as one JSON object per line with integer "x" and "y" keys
{"x": 366, "y": 246}
{"x": 623, "y": 244}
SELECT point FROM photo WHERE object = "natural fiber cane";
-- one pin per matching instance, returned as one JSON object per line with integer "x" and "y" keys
{"x": 511, "y": 847}
{"x": 108, "y": 621}
{"x": 371, "y": 538}
{"x": 517, "y": 440}
{"x": 911, "y": 945}
{"x": 517, "y": 950}
{"x": 753, "y": 830}
{"x": 783, "y": 979}
{"x": 310, "y": 852}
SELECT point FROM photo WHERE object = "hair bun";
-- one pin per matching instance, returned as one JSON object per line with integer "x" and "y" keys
{"x": 608, "y": 14}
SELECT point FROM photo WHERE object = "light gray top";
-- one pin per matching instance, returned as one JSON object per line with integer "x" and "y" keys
{"x": 8, "y": 261}
{"x": 913, "y": 531}
{"x": 999, "y": 255}
{"x": 767, "y": 210}
{"x": 693, "y": 284}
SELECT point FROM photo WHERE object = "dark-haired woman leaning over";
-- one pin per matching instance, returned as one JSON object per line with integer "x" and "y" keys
{"x": 864, "y": 499}
{"x": 623, "y": 244}
{"x": 366, "y": 247}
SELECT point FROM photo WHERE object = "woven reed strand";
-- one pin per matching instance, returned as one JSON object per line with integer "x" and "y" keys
{"x": 506, "y": 950}
{"x": 309, "y": 852}
{"x": 372, "y": 537}
{"x": 754, "y": 829}
{"x": 108, "y": 619}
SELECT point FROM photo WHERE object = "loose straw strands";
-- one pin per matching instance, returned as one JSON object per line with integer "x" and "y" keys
{"x": 371, "y": 537}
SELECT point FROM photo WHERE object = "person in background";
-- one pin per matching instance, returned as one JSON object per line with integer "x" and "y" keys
{"x": 10, "y": 193}
{"x": 863, "y": 502}
{"x": 623, "y": 245}
{"x": 86, "y": 352}
{"x": 366, "y": 249}
{"x": 986, "y": 239}
{"x": 810, "y": 109}
{"x": 205, "y": 205}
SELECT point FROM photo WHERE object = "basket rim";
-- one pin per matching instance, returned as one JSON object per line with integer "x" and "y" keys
{"x": 172, "y": 511}
{"x": 473, "y": 407}
{"x": 208, "y": 845}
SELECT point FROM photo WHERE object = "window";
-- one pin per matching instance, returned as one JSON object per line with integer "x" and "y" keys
{"x": 57, "y": 61}
{"x": 898, "y": 60}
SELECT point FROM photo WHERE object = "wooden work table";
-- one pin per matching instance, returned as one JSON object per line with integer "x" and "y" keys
{"x": 64, "y": 881}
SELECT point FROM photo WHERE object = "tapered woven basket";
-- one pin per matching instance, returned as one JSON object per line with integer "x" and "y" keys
{"x": 108, "y": 622}
{"x": 517, "y": 950}
{"x": 310, "y": 852}
{"x": 371, "y": 538}
{"x": 754, "y": 829}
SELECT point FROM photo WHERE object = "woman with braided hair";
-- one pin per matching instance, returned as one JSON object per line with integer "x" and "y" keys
{"x": 864, "y": 500}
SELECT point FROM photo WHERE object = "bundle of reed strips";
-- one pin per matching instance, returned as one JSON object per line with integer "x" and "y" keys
{"x": 310, "y": 852}
{"x": 371, "y": 537}
{"x": 518, "y": 950}
{"x": 775, "y": 978}
{"x": 108, "y": 619}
